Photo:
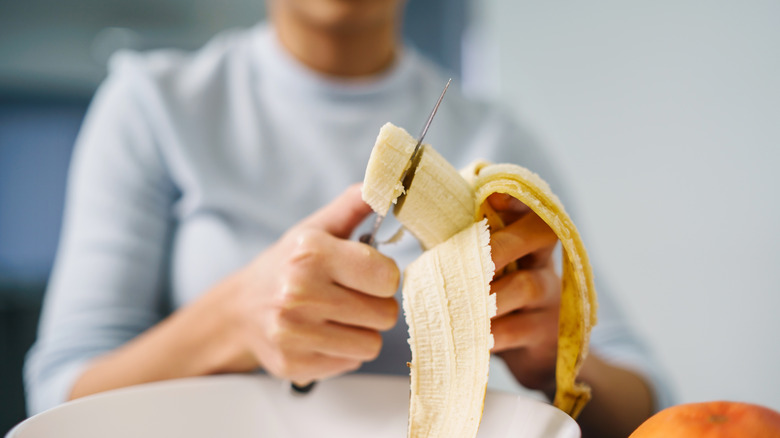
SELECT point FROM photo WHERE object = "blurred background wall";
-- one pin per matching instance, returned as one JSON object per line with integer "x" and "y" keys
{"x": 664, "y": 116}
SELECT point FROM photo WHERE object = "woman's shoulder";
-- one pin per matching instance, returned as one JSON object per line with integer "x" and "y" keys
{"x": 176, "y": 73}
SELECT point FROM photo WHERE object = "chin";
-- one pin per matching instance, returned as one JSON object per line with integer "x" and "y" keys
{"x": 345, "y": 15}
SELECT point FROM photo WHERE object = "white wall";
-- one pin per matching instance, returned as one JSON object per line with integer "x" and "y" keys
{"x": 665, "y": 116}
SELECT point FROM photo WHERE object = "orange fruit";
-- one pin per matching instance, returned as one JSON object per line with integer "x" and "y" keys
{"x": 713, "y": 419}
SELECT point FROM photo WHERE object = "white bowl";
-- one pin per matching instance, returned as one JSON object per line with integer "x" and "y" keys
{"x": 259, "y": 406}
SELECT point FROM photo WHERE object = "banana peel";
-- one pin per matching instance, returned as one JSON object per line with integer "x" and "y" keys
{"x": 446, "y": 291}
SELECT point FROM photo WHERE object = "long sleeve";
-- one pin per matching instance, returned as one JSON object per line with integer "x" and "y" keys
{"x": 109, "y": 277}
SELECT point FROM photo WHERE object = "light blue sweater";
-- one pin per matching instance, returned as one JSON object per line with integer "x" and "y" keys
{"x": 190, "y": 164}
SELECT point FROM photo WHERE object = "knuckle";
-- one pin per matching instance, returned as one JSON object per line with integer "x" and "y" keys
{"x": 533, "y": 289}
{"x": 277, "y": 332}
{"x": 524, "y": 282}
{"x": 285, "y": 307}
{"x": 307, "y": 249}
{"x": 290, "y": 296}
{"x": 543, "y": 288}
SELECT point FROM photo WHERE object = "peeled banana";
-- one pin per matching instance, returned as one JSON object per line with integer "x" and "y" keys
{"x": 449, "y": 333}
{"x": 447, "y": 202}
{"x": 446, "y": 291}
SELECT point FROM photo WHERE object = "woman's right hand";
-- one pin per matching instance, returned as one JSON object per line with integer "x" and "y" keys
{"x": 309, "y": 307}
{"x": 313, "y": 305}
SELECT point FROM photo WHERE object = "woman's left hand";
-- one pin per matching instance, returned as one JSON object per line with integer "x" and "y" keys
{"x": 525, "y": 327}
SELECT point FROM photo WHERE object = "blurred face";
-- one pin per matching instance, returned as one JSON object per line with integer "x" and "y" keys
{"x": 341, "y": 15}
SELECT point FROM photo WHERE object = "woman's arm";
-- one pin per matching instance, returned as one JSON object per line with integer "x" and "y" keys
{"x": 526, "y": 326}
{"x": 292, "y": 311}
{"x": 621, "y": 400}
{"x": 309, "y": 307}
{"x": 109, "y": 281}
{"x": 196, "y": 340}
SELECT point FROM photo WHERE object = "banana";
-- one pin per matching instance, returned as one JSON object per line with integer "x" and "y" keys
{"x": 446, "y": 291}
{"x": 447, "y": 201}
{"x": 387, "y": 163}
{"x": 578, "y": 313}
{"x": 449, "y": 333}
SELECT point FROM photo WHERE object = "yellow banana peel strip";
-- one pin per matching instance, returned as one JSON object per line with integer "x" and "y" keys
{"x": 446, "y": 292}
{"x": 578, "y": 294}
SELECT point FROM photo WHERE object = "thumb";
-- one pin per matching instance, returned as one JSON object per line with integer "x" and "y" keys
{"x": 342, "y": 215}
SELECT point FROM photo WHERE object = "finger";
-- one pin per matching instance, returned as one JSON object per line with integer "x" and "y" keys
{"x": 348, "y": 263}
{"x": 304, "y": 368}
{"x": 525, "y": 236}
{"x": 353, "y": 308}
{"x": 524, "y": 329}
{"x": 342, "y": 215}
{"x": 328, "y": 366}
{"x": 507, "y": 206}
{"x": 506, "y": 202}
{"x": 361, "y": 268}
{"x": 526, "y": 289}
{"x": 340, "y": 341}
{"x": 538, "y": 259}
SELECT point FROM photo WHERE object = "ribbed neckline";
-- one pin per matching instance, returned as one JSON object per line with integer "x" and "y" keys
{"x": 273, "y": 59}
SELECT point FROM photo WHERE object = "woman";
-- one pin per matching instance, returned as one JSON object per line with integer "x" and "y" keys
{"x": 191, "y": 244}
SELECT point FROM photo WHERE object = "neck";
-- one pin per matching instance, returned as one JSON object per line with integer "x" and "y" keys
{"x": 346, "y": 51}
